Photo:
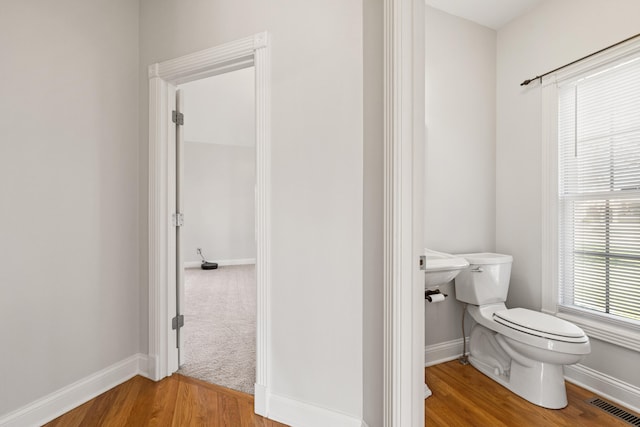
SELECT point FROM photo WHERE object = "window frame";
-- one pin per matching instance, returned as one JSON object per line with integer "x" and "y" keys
{"x": 601, "y": 326}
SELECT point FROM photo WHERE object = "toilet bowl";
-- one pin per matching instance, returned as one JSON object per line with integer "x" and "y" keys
{"x": 524, "y": 350}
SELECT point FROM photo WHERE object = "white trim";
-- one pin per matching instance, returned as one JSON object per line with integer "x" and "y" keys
{"x": 301, "y": 414}
{"x": 163, "y": 77}
{"x": 403, "y": 317}
{"x": 158, "y": 228}
{"x": 192, "y": 264}
{"x": 244, "y": 261}
{"x": 595, "y": 327}
{"x": 260, "y": 395}
{"x": 143, "y": 365}
{"x": 222, "y": 262}
{"x": 221, "y": 59}
{"x": 53, "y": 405}
{"x": 443, "y": 352}
{"x": 262, "y": 61}
{"x": 604, "y": 385}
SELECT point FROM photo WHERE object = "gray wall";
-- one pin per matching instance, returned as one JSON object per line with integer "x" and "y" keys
{"x": 553, "y": 34}
{"x": 461, "y": 158}
{"x": 221, "y": 109}
{"x": 74, "y": 241}
{"x": 459, "y": 214}
{"x": 317, "y": 178}
{"x": 219, "y": 182}
{"x": 219, "y": 167}
{"x": 69, "y": 293}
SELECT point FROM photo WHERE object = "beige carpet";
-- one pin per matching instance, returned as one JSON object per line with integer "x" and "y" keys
{"x": 220, "y": 326}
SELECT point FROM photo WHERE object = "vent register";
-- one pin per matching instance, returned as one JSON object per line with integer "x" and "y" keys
{"x": 617, "y": 412}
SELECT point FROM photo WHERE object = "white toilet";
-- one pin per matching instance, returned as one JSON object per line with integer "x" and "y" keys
{"x": 524, "y": 350}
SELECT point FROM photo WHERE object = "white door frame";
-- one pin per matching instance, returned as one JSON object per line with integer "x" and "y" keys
{"x": 163, "y": 78}
{"x": 403, "y": 130}
{"x": 404, "y": 134}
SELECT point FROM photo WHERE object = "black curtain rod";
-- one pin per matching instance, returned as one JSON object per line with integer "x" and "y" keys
{"x": 526, "y": 82}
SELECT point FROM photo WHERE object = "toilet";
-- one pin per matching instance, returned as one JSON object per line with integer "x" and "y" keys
{"x": 523, "y": 350}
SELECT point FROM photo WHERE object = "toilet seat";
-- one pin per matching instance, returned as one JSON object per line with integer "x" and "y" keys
{"x": 540, "y": 325}
{"x": 527, "y": 327}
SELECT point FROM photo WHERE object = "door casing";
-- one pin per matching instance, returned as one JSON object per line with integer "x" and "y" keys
{"x": 163, "y": 79}
{"x": 403, "y": 129}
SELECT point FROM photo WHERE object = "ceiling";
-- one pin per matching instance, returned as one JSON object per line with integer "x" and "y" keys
{"x": 490, "y": 13}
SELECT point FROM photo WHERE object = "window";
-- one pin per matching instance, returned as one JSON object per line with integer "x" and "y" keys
{"x": 598, "y": 191}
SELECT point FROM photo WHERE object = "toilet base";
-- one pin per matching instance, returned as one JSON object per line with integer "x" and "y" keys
{"x": 551, "y": 396}
{"x": 539, "y": 383}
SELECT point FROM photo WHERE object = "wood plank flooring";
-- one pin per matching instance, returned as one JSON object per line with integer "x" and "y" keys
{"x": 462, "y": 396}
{"x": 174, "y": 401}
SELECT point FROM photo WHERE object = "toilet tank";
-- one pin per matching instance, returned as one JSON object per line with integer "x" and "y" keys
{"x": 486, "y": 280}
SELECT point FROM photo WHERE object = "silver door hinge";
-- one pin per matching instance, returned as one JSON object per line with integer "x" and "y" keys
{"x": 177, "y": 322}
{"x": 177, "y": 219}
{"x": 177, "y": 118}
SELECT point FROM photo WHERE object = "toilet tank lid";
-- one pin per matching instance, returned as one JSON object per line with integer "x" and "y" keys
{"x": 487, "y": 258}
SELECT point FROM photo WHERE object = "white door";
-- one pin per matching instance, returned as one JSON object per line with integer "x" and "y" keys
{"x": 180, "y": 211}
{"x": 170, "y": 302}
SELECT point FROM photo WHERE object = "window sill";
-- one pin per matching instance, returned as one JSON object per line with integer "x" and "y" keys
{"x": 614, "y": 332}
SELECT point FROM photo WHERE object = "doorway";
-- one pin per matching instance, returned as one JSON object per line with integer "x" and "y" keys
{"x": 163, "y": 79}
{"x": 216, "y": 195}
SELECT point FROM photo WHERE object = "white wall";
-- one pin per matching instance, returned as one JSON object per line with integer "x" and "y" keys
{"x": 221, "y": 109}
{"x": 317, "y": 156}
{"x": 69, "y": 293}
{"x": 460, "y": 151}
{"x": 219, "y": 182}
{"x": 553, "y": 34}
{"x": 219, "y": 167}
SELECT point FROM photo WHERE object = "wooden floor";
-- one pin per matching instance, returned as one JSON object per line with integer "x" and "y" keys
{"x": 174, "y": 401}
{"x": 462, "y": 396}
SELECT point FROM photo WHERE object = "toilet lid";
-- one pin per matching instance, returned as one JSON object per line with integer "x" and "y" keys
{"x": 540, "y": 324}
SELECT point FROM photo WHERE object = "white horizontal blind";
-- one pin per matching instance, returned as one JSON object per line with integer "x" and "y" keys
{"x": 599, "y": 190}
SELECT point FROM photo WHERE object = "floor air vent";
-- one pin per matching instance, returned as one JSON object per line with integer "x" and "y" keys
{"x": 615, "y": 411}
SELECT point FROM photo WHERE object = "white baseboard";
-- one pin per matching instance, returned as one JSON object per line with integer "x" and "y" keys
{"x": 260, "y": 399}
{"x": 273, "y": 406}
{"x": 443, "y": 352}
{"x": 222, "y": 263}
{"x": 63, "y": 400}
{"x": 604, "y": 385}
{"x": 301, "y": 414}
{"x": 150, "y": 370}
{"x": 144, "y": 365}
